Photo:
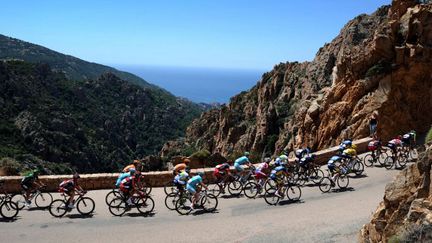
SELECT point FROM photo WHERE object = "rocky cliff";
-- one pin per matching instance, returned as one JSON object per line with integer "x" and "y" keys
{"x": 405, "y": 214}
{"x": 378, "y": 62}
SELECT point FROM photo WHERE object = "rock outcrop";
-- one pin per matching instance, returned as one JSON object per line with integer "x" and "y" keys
{"x": 379, "y": 62}
{"x": 407, "y": 205}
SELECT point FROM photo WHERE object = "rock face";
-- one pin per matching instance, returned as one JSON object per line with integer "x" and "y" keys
{"x": 407, "y": 204}
{"x": 378, "y": 62}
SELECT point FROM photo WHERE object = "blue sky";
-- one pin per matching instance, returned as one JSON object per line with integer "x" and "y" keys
{"x": 248, "y": 34}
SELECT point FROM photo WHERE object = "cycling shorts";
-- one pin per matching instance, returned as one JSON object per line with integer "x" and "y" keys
{"x": 238, "y": 167}
{"x": 260, "y": 175}
{"x": 191, "y": 189}
{"x": 331, "y": 167}
{"x": 26, "y": 186}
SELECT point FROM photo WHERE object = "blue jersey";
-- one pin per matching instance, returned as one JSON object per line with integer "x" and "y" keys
{"x": 181, "y": 178}
{"x": 279, "y": 170}
{"x": 242, "y": 160}
{"x": 334, "y": 159}
{"x": 194, "y": 181}
{"x": 121, "y": 177}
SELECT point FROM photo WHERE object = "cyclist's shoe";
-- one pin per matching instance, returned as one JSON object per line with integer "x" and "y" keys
{"x": 191, "y": 207}
{"x": 71, "y": 206}
{"x": 27, "y": 204}
{"x": 278, "y": 195}
{"x": 129, "y": 202}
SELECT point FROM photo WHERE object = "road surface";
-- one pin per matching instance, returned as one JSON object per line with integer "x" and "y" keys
{"x": 318, "y": 217}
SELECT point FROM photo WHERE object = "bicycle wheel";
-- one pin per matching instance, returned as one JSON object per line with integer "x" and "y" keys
{"x": 343, "y": 181}
{"x": 58, "y": 208}
{"x": 270, "y": 183}
{"x": 145, "y": 205}
{"x": 300, "y": 179}
{"x": 171, "y": 199}
{"x": 169, "y": 188}
{"x": 413, "y": 154}
{"x": 111, "y": 195}
{"x": 251, "y": 189}
{"x": 388, "y": 163}
{"x": 402, "y": 159}
{"x": 183, "y": 206}
{"x": 382, "y": 156}
{"x": 235, "y": 188}
{"x": 317, "y": 175}
{"x": 368, "y": 160}
{"x": 85, "y": 206}
{"x": 215, "y": 189}
{"x": 358, "y": 168}
{"x": 117, "y": 206}
{"x": 325, "y": 184}
{"x": 294, "y": 192}
{"x": 270, "y": 196}
{"x": 9, "y": 209}
{"x": 209, "y": 202}
{"x": 19, "y": 200}
{"x": 43, "y": 200}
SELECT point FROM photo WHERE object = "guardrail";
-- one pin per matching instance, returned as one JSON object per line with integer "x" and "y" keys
{"x": 155, "y": 179}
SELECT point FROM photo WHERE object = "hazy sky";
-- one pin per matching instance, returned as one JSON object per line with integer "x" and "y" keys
{"x": 252, "y": 34}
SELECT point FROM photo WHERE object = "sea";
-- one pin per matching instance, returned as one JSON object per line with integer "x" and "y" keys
{"x": 207, "y": 85}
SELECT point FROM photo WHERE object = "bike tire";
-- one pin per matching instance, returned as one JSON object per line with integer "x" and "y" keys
{"x": 215, "y": 189}
{"x": 317, "y": 176}
{"x": 270, "y": 197}
{"x": 171, "y": 199}
{"x": 183, "y": 206}
{"x": 43, "y": 200}
{"x": 342, "y": 181}
{"x": 9, "y": 209}
{"x": 270, "y": 183}
{"x": 209, "y": 202}
{"x": 413, "y": 154}
{"x": 169, "y": 187}
{"x": 358, "y": 168}
{"x": 145, "y": 205}
{"x": 325, "y": 185}
{"x": 19, "y": 200}
{"x": 389, "y": 162}
{"x": 294, "y": 193}
{"x": 85, "y": 206}
{"x": 382, "y": 156}
{"x": 402, "y": 159}
{"x": 235, "y": 188}
{"x": 250, "y": 189}
{"x": 112, "y": 195}
{"x": 58, "y": 208}
{"x": 117, "y": 207}
{"x": 368, "y": 160}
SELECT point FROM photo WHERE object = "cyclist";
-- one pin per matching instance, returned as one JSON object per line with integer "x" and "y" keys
{"x": 221, "y": 172}
{"x": 394, "y": 144}
{"x": 346, "y": 143}
{"x": 181, "y": 167}
{"x": 122, "y": 176}
{"x": 242, "y": 161}
{"x": 135, "y": 165}
{"x": 192, "y": 187}
{"x": 306, "y": 161}
{"x": 373, "y": 146}
{"x": 262, "y": 171}
{"x": 69, "y": 187}
{"x": 331, "y": 165}
{"x": 28, "y": 183}
{"x": 409, "y": 139}
{"x": 181, "y": 179}
{"x": 300, "y": 153}
{"x": 128, "y": 187}
{"x": 277, "y": 174}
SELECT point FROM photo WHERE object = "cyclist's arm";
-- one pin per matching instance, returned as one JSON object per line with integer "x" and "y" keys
{"x": 204, "y": 185}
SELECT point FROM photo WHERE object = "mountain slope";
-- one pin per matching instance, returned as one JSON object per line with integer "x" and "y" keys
{"x": 378, "y": 62}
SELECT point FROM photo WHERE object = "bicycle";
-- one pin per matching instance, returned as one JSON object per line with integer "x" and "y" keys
{"x": 207, "y": 201}
{"x": 293, "y": 193}
{"x": 353, "y": 165}
{"x": 397, "y": 157}
{"x": 341, "y": 177}
{"x": 8, "y": 209}
{"x": 41, "y": 199}
{"x": 140, "y": 200}
{"x": 114, "y": 193}
{"x": 312, "y": 173}
{"x": 377, "y": 156}
{"x": 59, "y": 207}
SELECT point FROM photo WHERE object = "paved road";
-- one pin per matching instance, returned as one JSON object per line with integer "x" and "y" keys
{"x": 331, "y": 217}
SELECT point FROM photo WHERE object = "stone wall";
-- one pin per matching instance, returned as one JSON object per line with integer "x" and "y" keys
{"x": 155, "y": 179}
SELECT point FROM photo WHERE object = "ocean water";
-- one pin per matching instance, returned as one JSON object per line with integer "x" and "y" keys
{"x": 208, "y": 85}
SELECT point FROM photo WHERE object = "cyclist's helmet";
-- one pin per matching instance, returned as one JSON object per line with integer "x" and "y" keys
{"x": 200, "y": 173}
{"x": 283, "y": 158}
{"x": 132, "y": 171}
{"x": 76, "y": 176}
{"x": 186, "y": 161}
{"x": 36, "y": 172}
{"x": 267, "y": 160}
{"x": 246, "y": 154}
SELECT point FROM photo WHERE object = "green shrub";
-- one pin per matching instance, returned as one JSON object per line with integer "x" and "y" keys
{"x": 377, "y": 69}
{"x": 201, "y": 155}
{"x": 429, "y": 136}
{"x": 9, "y": 166}
{"x": 413, "y": 233}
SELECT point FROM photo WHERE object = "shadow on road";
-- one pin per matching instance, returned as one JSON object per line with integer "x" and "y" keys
{"x": 3, "y": 220}
{"x": 80, "y": 216}
{"x": 144, "y": 215}
{"x": 287, "y": 202}
{"x": 358, "y": 176}
{"x": 232, "y": 196}
{"x": 201, "y": 212}
{"x": 37, "y": 209}
{"x": 348, "y": 189}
